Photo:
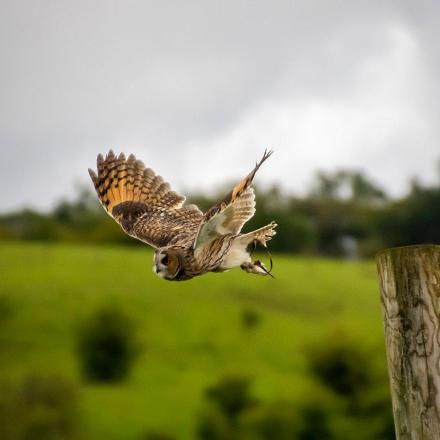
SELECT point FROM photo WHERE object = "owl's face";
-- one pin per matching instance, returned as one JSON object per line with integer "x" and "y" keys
{"x": 167, "y": 263}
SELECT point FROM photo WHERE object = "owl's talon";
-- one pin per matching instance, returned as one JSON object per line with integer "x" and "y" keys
{"x": 257, "y": 267}
{"x": 261, "y": 265}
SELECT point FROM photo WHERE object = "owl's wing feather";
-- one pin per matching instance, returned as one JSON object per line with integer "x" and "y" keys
{"x": 142, "y": 203}
{"x": 230, "y": 214}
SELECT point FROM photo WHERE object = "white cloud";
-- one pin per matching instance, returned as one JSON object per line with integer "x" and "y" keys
{"x": 198, "y": 91}
{"x": 378, "y": 124}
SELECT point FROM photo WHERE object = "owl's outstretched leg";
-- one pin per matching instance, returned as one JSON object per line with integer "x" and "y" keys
{"x": 261, "y": 236}
{"x": 239, "y": 253}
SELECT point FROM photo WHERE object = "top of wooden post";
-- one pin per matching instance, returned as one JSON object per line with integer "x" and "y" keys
{"x": 400, "y": 249}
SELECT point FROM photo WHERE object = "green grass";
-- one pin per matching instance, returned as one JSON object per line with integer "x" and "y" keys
{"x": 191, "y": 332}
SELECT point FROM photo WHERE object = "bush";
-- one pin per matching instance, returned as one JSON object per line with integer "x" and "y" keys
{"x": 345, "y": 369}
{"x": 340, "y": 365}
{"x": 9, "y": 418}
{"x": 41, "y": 407}
{"x": 250, "y": 318}
{"x": 272, "y": 421}
{"x": 214, "y": 425}
{"x": 48, "y": 405}
{"x": 154, "y": 435}
{"x": 231, "y": 396}
{"x": 6, "y": 307}
{"x": 311, "y": 417}
{"x": 316, "y": 414}
{"x": 107, "y": 346}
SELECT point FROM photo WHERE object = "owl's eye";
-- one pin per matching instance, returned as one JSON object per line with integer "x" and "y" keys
{"x": 165, "y": 260}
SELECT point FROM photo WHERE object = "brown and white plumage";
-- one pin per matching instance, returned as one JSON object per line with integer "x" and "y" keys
{"x": 187, "y": 242}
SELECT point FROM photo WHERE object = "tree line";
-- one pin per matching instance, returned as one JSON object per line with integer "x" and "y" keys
{"x": 344, "y": 214}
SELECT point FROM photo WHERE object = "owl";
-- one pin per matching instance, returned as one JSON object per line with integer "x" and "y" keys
{"x": 187, "y": 242}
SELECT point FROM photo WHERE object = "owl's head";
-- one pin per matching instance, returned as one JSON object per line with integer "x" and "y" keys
{"x": 168, "y": 263}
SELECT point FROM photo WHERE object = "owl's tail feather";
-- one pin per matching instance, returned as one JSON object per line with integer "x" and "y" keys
{"x": 120, "y": 180}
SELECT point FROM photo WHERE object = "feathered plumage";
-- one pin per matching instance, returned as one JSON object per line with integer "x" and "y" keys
{"x": 187, "y": 242}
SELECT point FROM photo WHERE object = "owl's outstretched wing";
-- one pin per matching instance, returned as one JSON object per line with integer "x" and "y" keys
{"x": 142, "y": 203}
{"x": 230, "y": 214}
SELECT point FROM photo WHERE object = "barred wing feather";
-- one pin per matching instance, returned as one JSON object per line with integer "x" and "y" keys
{"x": 142, "y": 203}
{"x": 230, "y": 214}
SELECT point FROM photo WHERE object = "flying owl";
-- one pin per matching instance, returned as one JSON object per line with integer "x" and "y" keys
{"x": 187, "y": 242}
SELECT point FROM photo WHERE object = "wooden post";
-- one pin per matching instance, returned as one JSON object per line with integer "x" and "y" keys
{"x": 410, "y": 295}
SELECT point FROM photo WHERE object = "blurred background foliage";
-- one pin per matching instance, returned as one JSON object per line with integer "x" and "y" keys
{"x": 93, "y": 345}
{"x": 107, "y": 346}
{"x": 344, "y": 214}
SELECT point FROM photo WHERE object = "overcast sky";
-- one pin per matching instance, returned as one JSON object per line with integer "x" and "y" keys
{"x": 198, "y": 90}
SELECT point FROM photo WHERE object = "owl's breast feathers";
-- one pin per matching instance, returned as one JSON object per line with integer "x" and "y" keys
{"x": 209, "y": 259}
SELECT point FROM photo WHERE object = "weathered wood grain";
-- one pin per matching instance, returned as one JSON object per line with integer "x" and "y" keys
{"x": 410, "y": 294}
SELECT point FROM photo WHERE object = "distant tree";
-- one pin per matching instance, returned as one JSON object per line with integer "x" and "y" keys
{"x": 364, "y": 190}
{"x": 344, "y": 214}
{"x": 327, "y": 185}
{"x": 29, "y": 225}
{"x": 346, "y": 184}
{"x": 414, "y": 219}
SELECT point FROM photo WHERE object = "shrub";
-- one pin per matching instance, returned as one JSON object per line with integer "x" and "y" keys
{"x": 250, "y": 318}
{"x": 41, "y": 407}
{"x": 316, "y": 417}
{"x": 346, "y": 369}
{"x": 214, "y": 425}
{"x": 231, "y": 395}
{"x": 270, "y": 421}
{"x": 310, "y": 417}
{"x": 107, "y": 346}
{"x": 9, "y": 419}
{"x": 6, "y": 307}
{"x": 340, "y": 365}
{"x": 154, "y": 435}
{"x": 48, "y": 405}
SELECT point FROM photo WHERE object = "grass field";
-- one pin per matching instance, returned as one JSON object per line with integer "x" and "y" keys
{"x": 191, "y": 332}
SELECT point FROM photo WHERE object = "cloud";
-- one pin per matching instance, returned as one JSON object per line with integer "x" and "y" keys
{"x": 198, "y": 90}
{"x": 377, "y": 124}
